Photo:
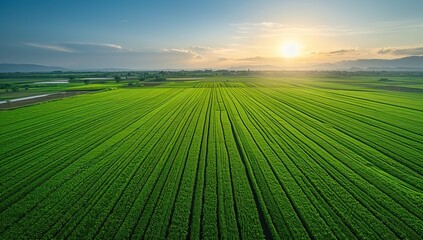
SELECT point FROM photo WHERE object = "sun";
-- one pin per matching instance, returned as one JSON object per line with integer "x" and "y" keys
{"x": 290, "y": 49}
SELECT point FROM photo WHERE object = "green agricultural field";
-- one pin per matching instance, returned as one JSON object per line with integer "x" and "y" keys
{"x": 222, "y": 157}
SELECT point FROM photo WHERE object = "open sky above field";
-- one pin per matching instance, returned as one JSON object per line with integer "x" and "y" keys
{"x": 200, "y": 34}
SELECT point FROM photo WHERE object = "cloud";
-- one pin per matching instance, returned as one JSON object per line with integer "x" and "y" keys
{"x": 252, "y": 59}
{"x": 205, "y": 53}
{"x": 347, "y": 51}
{"x": 204, "y": 50}
{"x": 418, "y": 51}
{"x": 176, "y": 50}
{"x": 80, "y": 47}
{"x": 107, "y": 54}
{"x": 51, "y": 47}
{"x": 181, "y": 52}
{"x": 272, "y": 29}
{"x": 193, "y": 52}
{"x": 223, "y": 59}
{"x": 95, "y": 47}
{"x": 257, "y": 59}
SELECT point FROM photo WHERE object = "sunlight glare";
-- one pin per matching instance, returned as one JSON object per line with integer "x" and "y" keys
{"x": 290, "y": 50}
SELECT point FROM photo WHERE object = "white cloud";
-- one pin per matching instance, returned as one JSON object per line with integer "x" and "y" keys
{"x": 199, "y": 52}
{"x": 272, "y": 29}
{"x": 345, "y": 51}
{"x": 416, "y": 51}
{"x": 80, "y": 47}
{"x": 95, "y": 47}
{"x": 51, "y": 47}
{"x": 186, "y": 51}
{"x": 176, "y": 50}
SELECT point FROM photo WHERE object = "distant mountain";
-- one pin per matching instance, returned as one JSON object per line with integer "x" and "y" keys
{"x": 10, "y": 67}
{"x": 413, "y": 63}
{"x": 103, "y": 70}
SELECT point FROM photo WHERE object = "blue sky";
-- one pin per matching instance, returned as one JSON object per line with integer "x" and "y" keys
{"x": 200, "y": 34}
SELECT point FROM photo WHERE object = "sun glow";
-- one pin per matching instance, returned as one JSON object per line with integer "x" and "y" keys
{"x": 290, "y": 50}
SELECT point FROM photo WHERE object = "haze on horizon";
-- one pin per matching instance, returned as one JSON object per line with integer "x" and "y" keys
{"x": 192, "y": 34}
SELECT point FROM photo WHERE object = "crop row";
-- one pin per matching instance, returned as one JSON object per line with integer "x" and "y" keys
{"x": 253, "y": 159}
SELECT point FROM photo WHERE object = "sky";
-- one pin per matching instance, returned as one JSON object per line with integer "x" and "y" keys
{"x": 198, "y": 34}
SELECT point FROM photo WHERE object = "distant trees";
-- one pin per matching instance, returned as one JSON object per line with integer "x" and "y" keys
{"x": 160, "y": 78}
{"x": 5, "y": 86}
{"x": 9, "y": 86}
{"x": 155, "y": 77}
{"x": 136, "y": 84}
{"x": 118, "y": 79}
{"x": 15, "y": 88}
{"x": 86, "y": 81}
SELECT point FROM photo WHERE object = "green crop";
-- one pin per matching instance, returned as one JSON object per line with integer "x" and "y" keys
{"x": 228, "y": 158}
